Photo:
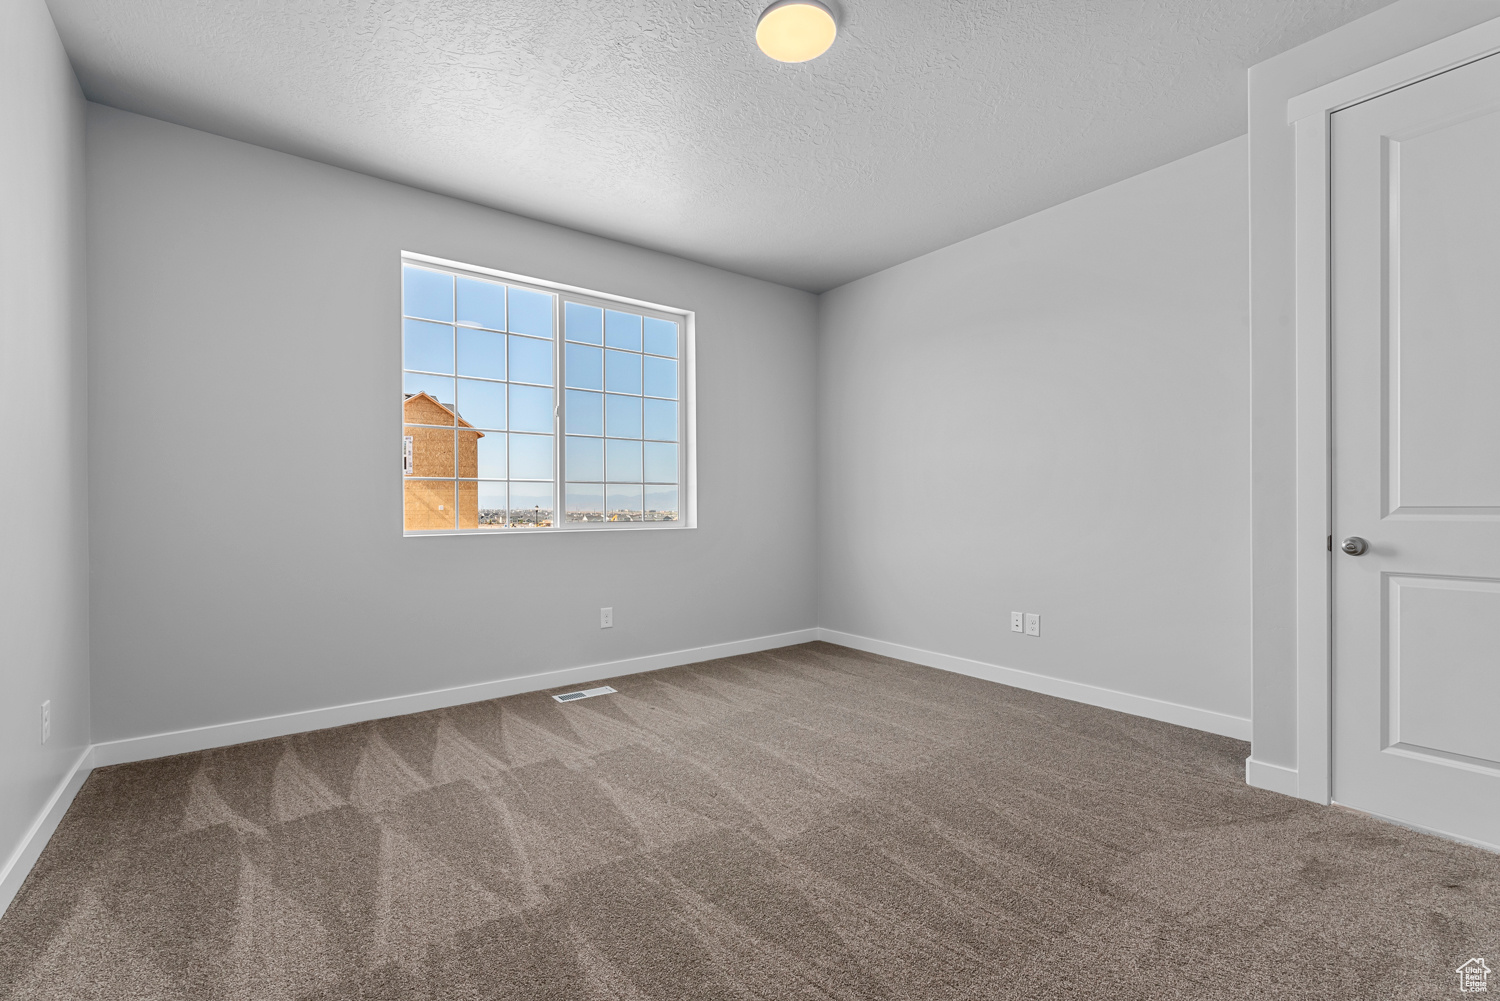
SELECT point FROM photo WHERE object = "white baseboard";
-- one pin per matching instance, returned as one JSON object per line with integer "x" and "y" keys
{"x": 1487, "y": 846}
{"x": 1107, "y": 698}
{"x": 201, "y": 738}
{"x": 13, "y": 874}
{"x": 1277, "y": 778}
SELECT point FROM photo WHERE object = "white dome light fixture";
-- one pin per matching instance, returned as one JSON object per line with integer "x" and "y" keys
{"x": 794, "y": 31}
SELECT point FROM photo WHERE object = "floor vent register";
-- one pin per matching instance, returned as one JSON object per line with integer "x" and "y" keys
{"x": 585, "y": 694}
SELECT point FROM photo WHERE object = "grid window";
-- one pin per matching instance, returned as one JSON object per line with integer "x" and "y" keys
{"x": 477, "y": 407}
{"x": 614, "y": 474}
{"x": 535, "y": 408}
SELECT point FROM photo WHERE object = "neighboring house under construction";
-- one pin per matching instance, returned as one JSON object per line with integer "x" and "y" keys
{"x": 441, "y": 443}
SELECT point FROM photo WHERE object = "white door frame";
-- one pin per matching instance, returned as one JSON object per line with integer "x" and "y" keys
{"x": 1310, "y": 115}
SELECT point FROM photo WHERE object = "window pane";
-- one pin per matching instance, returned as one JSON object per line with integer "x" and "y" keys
{"x": 467, "y": 458}
{"x": 661, "y": 377}
{"x": 585, "y": 502}
{"x": 531, "y": 409}
{"x": 468, "y": 504}
{"x": 491, "y": 505}
{"x": 585, "y": 367}
{"x": 622, "y": 461}
{"x": 530, "y": 505}
{"x": 622, "y": 503}
{"x": 585, "y": 412}
{"x": 481, "y": 353}
{"x": 585, "y": 323}
{"x": 661, "y": 462}
{"x": 531, "y": 457}
{"x": 428, "y": 294}
{"x": 431, "y": 450}
{"x": 531, "y": 360}
{"x": 661, "y": 503}
{"x": 420, "y": 411}
{"x": 622, "y": 372}
{"x": 622, "y": 330}
{"x": 585, "y": 458}
{"x": 482, "y": 404}
{"x": 427, "y": 346}
{"x": 661, "y": 420}
{"x": 622, "y": 416}
{"x": 429, "y": 505}
{"x": 530, "y": 312}
{"x": 661, "y": 337}
{"x": 481, "y": 303}
{"x": 491, "y": 456}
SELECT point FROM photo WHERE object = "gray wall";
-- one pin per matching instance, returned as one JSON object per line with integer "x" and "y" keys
{"x": 245, "y": 507}
{"x": 1372, "y": 39}
{"x": 1053, "y": 417}
{"x": 43, "y": 521}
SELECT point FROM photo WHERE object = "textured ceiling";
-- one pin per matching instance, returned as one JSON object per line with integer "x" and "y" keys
{"x": 659, "y": 123}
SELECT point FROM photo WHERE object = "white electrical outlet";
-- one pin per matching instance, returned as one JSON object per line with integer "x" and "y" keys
{"x": 1015, "y": 622}
{"x": 606, "y": 618}
{"x": 1033, "y": 624}
{"x": 46, "y": 720}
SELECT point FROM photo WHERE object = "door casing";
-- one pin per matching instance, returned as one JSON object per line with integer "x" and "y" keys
{"x": 1310, "y": 114}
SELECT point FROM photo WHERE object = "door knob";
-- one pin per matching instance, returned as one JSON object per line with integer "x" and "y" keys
{"x": 1355, "y": 546}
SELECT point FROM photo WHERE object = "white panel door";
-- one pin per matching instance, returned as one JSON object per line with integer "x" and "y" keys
{"x": 1416, "y": 453}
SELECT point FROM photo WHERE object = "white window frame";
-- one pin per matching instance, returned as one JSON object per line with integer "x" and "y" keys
{"x": 687, "y": 458}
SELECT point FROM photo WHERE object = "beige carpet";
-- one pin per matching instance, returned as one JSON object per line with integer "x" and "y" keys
{"x": 805, "y": 823}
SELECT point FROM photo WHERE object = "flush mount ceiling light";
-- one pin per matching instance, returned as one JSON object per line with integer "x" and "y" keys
{"x": 794, "y": 31}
